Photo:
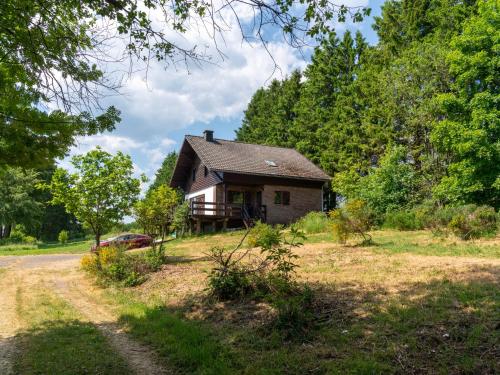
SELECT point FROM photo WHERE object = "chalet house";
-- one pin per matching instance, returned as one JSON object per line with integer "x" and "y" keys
{"x": 231, "y": 184}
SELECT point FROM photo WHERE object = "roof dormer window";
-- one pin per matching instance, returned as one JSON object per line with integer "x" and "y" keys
{"x": 271, "y": 163}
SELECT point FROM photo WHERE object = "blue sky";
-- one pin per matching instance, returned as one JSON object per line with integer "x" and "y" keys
{"x": 158, "y": 111}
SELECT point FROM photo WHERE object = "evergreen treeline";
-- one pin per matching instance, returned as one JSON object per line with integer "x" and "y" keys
{"x": 414, "y": 118}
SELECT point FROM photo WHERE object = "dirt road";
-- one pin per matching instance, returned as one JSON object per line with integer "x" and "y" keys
{"x": 60, "y": 275}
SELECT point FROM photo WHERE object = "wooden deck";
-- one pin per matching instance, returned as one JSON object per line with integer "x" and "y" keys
{"x": 223, "y": 212}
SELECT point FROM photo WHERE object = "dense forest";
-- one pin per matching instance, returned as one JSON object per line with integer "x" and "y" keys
{"x": 411, "y": 120}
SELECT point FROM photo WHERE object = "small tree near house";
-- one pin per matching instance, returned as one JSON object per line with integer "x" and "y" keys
{"x": 155, "y": 213}
{"x": 100, "y": 192}
{"x": 354, "y": 218}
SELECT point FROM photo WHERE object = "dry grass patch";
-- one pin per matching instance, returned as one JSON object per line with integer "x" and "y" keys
{"x": 395, "y": 307}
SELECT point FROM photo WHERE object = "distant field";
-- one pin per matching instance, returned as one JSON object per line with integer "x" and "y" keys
{"x": 72, "y": 247}
{"x": 53, "y": 248}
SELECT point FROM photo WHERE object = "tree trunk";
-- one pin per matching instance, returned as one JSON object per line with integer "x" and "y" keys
{"x": 98, "y": 239}
{"x": 7, "y": 230}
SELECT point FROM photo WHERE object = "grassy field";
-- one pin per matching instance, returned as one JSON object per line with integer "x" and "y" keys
{"x": 46, "y": 248}
{"x": 411, "y": 303}
{"x": 58, "y": 341}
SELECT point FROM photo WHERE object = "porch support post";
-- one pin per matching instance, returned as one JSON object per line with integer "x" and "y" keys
{"x": 198, "y": 226}
{"x": 224, "y": 225}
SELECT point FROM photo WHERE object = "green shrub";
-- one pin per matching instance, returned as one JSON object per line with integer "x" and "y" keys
{"x": 30, "y": 240}
{"x": 314, "y": 222}
{"x": 63, "y": 237}
{"x": 154, "y": 258}
{"x": 234, "y": 284}
{"x": 403, "y": 220}
{"x": 354, "y": 218}
{"x": 18, "y": 235}
{"x": 264, "y": 235}
{"x": 133, "y": 279}
{"x": 238, "y": 273}
{"x": 113, "y": 265}
{"x": 473, "y": 222}
{"x": 468, "y": 221}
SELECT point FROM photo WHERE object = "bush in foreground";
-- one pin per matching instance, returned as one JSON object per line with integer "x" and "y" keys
{"x": 112, "y": 265}
{"x": 264, "y": 270}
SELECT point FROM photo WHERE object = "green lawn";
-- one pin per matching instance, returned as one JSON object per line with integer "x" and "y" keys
{"x": 58, "y": 342}
{"x": 46, "y": 248}
{"x": 421, "y": 242}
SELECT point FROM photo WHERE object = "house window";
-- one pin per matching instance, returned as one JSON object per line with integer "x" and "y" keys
{"x": 194, "y": 174}
{"x": 235, "y": 197}
{"x": 282, "y": 197}
{"x": 205, "y": 171}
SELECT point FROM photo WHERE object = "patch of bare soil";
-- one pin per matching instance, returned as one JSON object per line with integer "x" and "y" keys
{"x": 141, "y": 359}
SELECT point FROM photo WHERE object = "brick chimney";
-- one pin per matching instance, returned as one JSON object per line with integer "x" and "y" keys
{"x": 208, "y": 135}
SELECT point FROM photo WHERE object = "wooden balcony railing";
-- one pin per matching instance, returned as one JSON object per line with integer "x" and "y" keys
{"x": 228, "y": 210}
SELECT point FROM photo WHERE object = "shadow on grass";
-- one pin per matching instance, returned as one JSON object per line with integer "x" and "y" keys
{"x": 178, "y": 259}
{"x": 66, "y": 347}
{"x": 187, "y": 345}
{"x": 436, "y": 326}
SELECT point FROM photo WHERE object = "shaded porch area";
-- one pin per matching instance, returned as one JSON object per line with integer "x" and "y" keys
{"x": 235, "y": 206}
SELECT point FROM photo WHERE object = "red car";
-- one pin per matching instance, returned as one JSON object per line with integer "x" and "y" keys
{"x": 128, "y": 240}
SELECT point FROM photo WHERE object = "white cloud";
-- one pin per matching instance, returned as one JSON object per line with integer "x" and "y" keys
{"x": 147, "y": 155}
{"x": 158, "y": 109}
{"x": 174, "y": 98}
{"x": 108, "y": 142}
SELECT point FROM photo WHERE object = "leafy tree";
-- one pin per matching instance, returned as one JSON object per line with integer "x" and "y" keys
{"x": 387, "y": 187}
{"x": 155, "y": 213}
{"x": 17, "y": 203}
{"x": 468, "y": 133}
{"x": 357, "y": 99}
{"x": 101, "y": 191}
{"x": 164, "y": 174}
{"x": 180, "y": 223}
{"x": 48, "y": 56}
{"x": 57, "y": 52}
{"x": 53, "y": 218}
{"x": 341, "y": 133}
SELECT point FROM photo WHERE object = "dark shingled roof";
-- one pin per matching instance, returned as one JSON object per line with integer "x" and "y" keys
{"x": 245, "y": 158}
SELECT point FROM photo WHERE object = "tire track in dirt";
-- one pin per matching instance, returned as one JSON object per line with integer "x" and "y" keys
{"x": 141, "y": 359}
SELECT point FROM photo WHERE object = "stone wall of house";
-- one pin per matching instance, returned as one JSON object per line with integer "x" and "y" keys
{"x": 302, "y": 201}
